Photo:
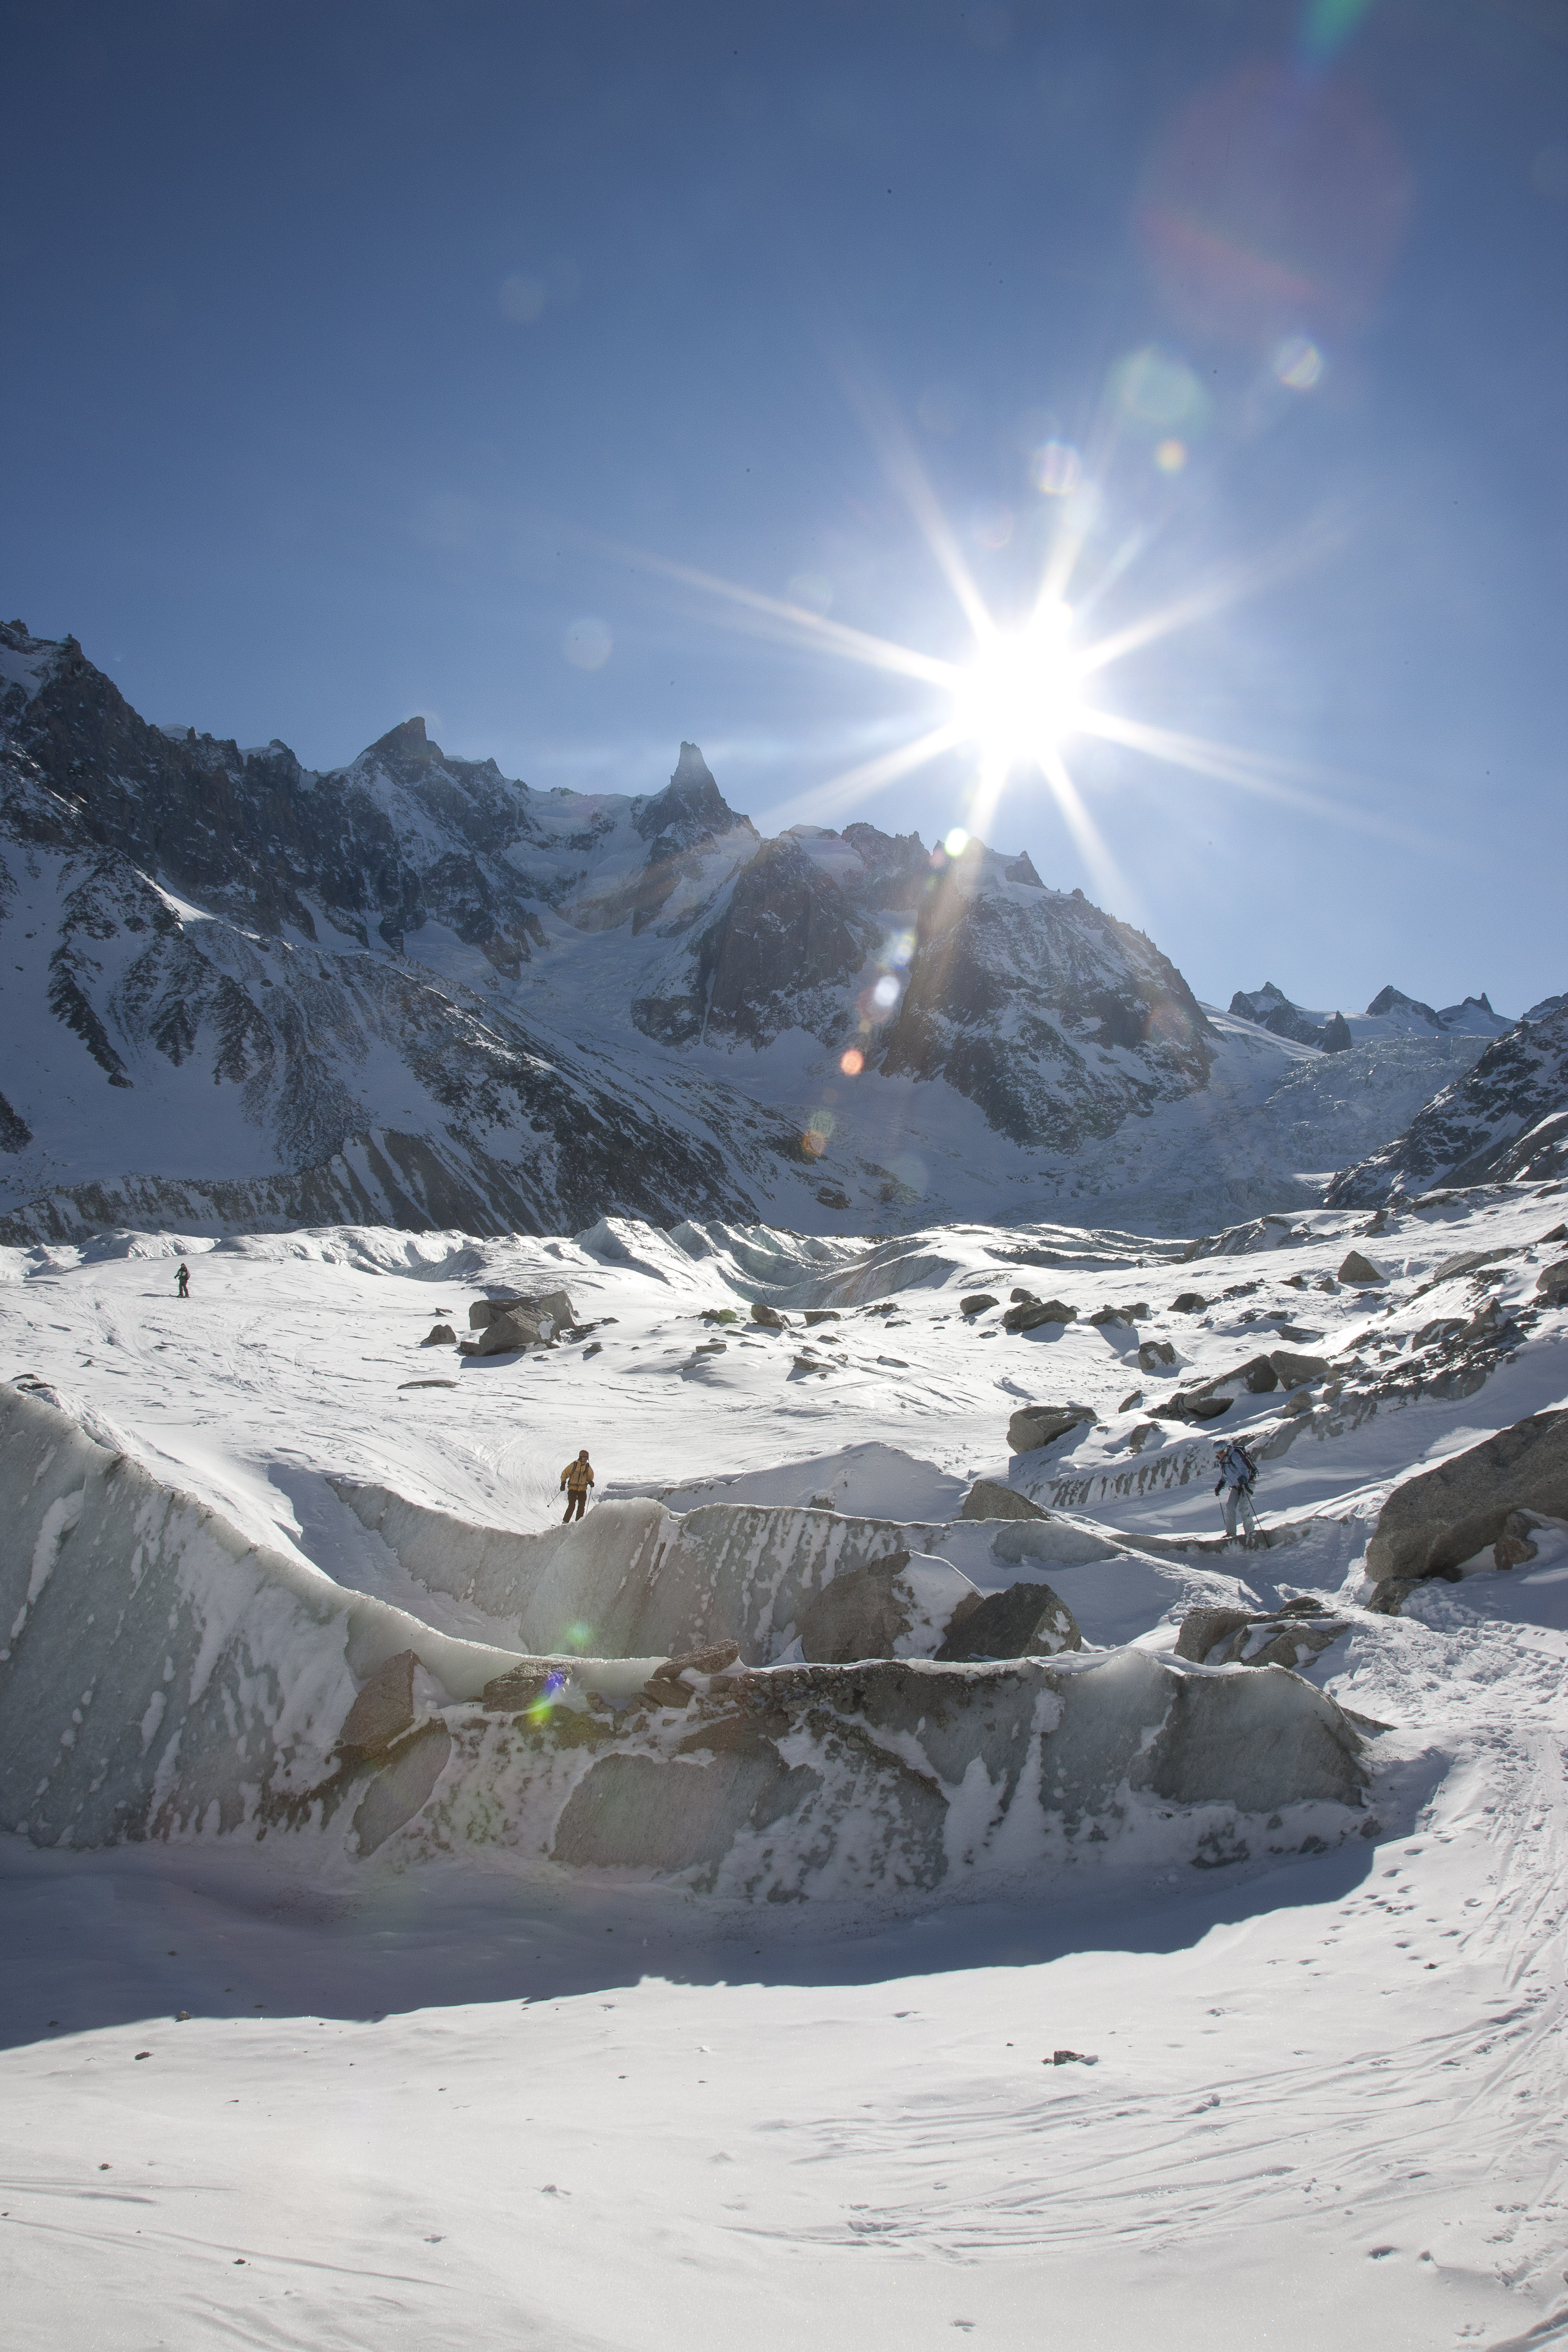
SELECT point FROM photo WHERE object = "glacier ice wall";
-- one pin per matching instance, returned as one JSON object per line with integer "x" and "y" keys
{"x": 161, "y": 1676}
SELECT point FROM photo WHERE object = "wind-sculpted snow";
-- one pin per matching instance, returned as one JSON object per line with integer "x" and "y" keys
{"x": 730, "y": 1919}
{"x": 161, "y": 1673}
{"x": 639, "y": 1578}
{"x": 164, "y": 1677}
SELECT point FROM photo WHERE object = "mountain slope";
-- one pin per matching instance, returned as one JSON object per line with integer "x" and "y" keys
{"x": 240, "y": 990}
{"x": 1507, "y": 1118}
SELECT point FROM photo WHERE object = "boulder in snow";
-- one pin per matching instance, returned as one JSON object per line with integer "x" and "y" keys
{"x": 1291, "y": 1636}
{"x": 441, "y": 1335}
{"x": 1033, "y": 1425}
{"x": 1027, "y": 1620}
{"x": 1295, "y": 1371}
{"x": 508, "y": 1335}
{"x": 1359, "y": 1268}
{"x": 980, "y": 1303}
{"x": 521, "y": 1688}
{"x": 1191, "y": 1404}
{"x": 989, "y": 1500}
{"x": 383, "y": 1708}
{"x": 1553, "y": 1282}
{"x": 1257, "y": 1376}
{"x": 768, "y": 1316}
{"x": 897, "y": 1607}
{"x": 1189, "y": 1302}
{"x": 1152, "y": 1353}
{"x": 1029, "y": 1317}
{"x": 554, "y": 1304}
{"x": 1432, "y": 1524}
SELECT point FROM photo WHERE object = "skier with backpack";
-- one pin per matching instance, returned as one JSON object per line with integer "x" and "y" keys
{"x": 1237, "y": 1477}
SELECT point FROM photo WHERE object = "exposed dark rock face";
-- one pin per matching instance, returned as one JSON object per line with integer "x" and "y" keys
{"x": 340, "y": 955}
{"x": 780, "y": 955}
{"x": 405, "y": 835}
{"x": 15, "y": 1133}
{"x": 1272, "y": 1010}
{"x": 1027, "y": 1621}
{"x": 1393, "y": 999}
{"x": 1505, "y": 1121}
{"x": 1055, "y": 1018}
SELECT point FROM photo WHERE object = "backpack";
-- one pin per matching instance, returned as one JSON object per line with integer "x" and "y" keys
{"x": 1235, "y": 1447}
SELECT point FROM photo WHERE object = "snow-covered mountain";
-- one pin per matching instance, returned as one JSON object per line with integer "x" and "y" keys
{"x": 1390, "y": 1014}
{"x": 241, "y": 992}
{"x": 1507, "y": 1118}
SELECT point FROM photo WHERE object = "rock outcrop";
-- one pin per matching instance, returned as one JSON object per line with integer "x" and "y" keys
{"x": 1027, "y": 1620}
{"x": 382, "y": 1710}
{"x": 1431, "y": 1525}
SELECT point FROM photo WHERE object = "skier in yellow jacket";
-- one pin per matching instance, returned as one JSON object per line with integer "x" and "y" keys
{"x": 577, "y": 1478}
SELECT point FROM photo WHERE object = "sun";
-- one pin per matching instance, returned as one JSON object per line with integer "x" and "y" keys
{"x": 1023, "y": 694}
{"x": 1026, "y": 691}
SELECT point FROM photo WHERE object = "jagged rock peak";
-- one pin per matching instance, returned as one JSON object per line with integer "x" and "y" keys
{"x": 1272, "y": 1010}
{"x": 690, "y": 806}
{"x": 407, "y": 741}
{"x": 1393, "y": 999}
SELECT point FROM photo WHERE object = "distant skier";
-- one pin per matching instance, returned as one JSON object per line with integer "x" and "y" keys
{"x": 183, "y": 1280}
{"x": 1237, "y": 1477}
{"x": 577, "y": 1478}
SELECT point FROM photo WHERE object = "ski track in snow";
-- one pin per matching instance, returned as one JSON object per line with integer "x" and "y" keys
{"x": 1327, "y": 2100}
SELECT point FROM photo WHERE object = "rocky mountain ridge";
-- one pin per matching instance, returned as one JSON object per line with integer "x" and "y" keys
{"x": 1505, "y": 1121}
{"x": 1390, "y": 1014}
{"x": 415, "y": 990}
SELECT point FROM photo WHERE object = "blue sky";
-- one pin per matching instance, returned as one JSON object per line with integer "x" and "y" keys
{"x": 358, "y": 358}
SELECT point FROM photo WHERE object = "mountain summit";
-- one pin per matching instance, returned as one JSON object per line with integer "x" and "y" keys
{"x": 415, "y": 990}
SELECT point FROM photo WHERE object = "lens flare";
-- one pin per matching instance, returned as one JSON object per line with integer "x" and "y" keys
{"x": 1298, "y": 363}
{"x": 852, "y": 1062}
{"x": 1056, "y": 469}
{"x": 956, "y": 842}
{"x": 554, "y": 1683}
{"x": 1170, "y": 456}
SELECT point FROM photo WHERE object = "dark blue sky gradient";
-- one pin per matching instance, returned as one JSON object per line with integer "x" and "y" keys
{"x": 278, "y": 453}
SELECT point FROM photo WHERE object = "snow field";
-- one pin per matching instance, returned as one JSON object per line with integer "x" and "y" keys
{"x": 1328, "y": 2093}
